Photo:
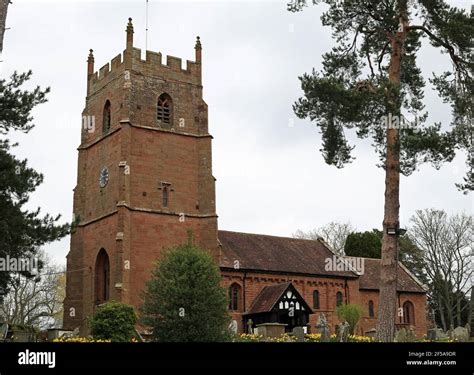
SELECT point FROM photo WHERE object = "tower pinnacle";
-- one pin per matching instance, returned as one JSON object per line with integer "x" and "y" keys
{"x": 90, "y": 63}
{"x": 198, "y": 48}
{"x": 129, "y": 31}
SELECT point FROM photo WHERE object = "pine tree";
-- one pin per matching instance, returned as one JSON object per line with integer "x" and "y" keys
{"x": 184, "y": 300}
{"x": 370, "y": 82}
{"x": 22, "y": 232}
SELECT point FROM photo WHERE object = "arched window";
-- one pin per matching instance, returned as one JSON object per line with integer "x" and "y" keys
{"x": 165, "y": 197}
{"x": 371, "y": 309}
{"x": 106, "y": 117}
{"x": 338, "y": 299}
{"x": 102, "y": 277}
{"x": 408, "y": 313}
{"x": 316, "y": 300}
{"x": 164, "y": 110}
{"x": 234, "y": 296}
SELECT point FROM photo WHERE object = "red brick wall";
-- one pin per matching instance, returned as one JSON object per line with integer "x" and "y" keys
{"x": 327, "y": 287}
{"x": 127, "y": 217}
{"x": 419, "y": 303}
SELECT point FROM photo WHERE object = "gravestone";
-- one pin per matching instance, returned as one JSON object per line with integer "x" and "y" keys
{"x": 440, "y": 334}
{"x": 401, "y": 335}
{"x": 371, "y": 333}
{"x": 250, "y": 326}
{"x": 233, "y": 326}
{"x": 3, "y": 331}
{"x": 431, "y": 336}
{"x": 460, "y": 334}
{"x": 411, "y": 335}
{"x": 449, "y": 332}
{"x": 70, "y": 334}
{"x": 322, "y": 327}
{"x": 298, "y": 332}
{"x": 342, "y": 332}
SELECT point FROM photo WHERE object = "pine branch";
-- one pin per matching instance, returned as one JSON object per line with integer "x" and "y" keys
{"x": 454, "y": 57}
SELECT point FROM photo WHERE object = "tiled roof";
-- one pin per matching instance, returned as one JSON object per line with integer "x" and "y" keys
{"x": 267, "y": 298}
{"x": 277, "y": 254}
{"x": 370, "y": 279}
{"x": 259, "y": 252}
{"x": 270, "y": 295}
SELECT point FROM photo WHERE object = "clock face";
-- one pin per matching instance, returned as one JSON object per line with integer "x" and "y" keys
{"x": 104, "y": 177}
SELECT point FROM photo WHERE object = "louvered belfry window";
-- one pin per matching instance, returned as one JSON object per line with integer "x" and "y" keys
{"x": 164, "y": 109}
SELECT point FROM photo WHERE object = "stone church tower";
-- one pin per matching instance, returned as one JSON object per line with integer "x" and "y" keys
{"x": 144, "y": 177}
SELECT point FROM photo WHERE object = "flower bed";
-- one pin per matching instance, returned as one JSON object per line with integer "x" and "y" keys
{"x": 79, "y": 339}
{"x": 311, "y": 337}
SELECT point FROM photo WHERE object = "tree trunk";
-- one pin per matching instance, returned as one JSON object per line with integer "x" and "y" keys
{"x": 471, "y": 311}
{"x": 458, "y": 308}
{"x": 389, "y": 263}
{"x": 449, "y": 305}
{"x": 441, "y": 315}
{"x": 3, "y": 20}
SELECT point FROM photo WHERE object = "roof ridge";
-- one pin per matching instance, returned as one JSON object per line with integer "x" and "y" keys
{"x": 268, "y": 235}
{"x": 275, "y": 253}
{"x": 405, "y": 268}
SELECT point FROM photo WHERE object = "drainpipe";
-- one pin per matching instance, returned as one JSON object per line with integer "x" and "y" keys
{"x": 243, "y": 294}
{"x": 346, "y": 291}
{"x": 399, "y": 305}
{"x": 244, "y": 323}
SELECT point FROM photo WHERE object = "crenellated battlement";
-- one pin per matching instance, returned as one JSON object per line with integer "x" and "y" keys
{"x": 152, "y": 65}
{"x": 110, "y": 67}
{"x": 106, "y": 73}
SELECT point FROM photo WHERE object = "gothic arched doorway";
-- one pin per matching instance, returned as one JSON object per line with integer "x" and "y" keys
{"x": 102, "y": 277}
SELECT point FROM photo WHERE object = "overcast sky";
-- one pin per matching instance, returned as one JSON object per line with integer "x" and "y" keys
{"x": 271, "y": 177}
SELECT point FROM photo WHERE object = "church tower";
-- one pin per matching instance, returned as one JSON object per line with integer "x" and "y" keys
{"x": 144, "y": 176}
